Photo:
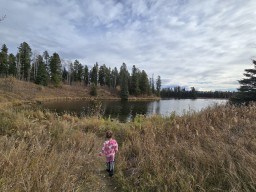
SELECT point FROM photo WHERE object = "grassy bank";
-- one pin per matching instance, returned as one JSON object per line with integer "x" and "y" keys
{"x": 13, "y": 89}
{"x": 214, "y": 150}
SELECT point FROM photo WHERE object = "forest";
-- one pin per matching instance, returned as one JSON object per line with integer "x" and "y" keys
{"x": 45, "y": 69}
{"x": 52, "y": 70}
{"x": 182, "y": 93}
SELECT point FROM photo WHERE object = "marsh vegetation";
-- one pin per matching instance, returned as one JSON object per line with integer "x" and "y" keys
{"x": 211, "y": 150}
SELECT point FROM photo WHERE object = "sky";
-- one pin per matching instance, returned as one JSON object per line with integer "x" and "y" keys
{"x": 189, "y": 43}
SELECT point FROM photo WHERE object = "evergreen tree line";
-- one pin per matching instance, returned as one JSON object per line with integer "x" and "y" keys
{"x": 45, "y": 69}
{"x": 41, "y": 69}
{"x": 182, "y": 93}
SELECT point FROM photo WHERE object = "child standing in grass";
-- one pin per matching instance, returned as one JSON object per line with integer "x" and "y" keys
{"x": 109, "y": 149}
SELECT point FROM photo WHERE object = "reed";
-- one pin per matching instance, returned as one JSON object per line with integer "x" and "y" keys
{"x": 213, "y": 150}
{"x": 41, "y": 151}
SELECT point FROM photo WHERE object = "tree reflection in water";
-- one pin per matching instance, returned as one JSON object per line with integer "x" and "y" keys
{"x": 127, "y": 110}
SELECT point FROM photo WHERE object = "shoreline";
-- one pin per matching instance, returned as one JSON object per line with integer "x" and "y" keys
{"x": 94, "y": 98}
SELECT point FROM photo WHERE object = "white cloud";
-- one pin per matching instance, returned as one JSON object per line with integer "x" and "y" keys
{"x": 204, "y": 44}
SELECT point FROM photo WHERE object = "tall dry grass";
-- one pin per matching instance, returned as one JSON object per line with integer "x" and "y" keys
{"x": 214, "y": 150}
{"x": 41, "y": 151}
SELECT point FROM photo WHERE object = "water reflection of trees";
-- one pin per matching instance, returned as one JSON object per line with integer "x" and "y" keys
{"x": 122, "y": 110}
{"x": 117, "y": 110}
{"x": 157, "y": 107}
{"x": 94, "y": 108}
{"x": 139, "y": 108}
{"x": 125, "y": 110}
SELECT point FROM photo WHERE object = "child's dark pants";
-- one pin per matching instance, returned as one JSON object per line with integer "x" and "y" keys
{"x": 110, "y": 168}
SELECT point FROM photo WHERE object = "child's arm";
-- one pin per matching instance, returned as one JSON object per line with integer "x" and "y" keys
{"x": 102, "y": 150}
{"x": 116, "y": 147}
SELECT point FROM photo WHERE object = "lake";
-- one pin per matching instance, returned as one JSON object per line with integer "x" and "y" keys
{"x": 126, "y": 110}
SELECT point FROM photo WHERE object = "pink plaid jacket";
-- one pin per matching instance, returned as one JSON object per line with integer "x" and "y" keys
{"x": 109, "y": 149}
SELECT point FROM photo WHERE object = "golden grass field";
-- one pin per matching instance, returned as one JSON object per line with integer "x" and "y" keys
{"x": 213, "y": 150}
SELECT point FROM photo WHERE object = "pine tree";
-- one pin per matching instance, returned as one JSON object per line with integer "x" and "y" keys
{"x": 78, "y": 71}
{"x": 153, "y": 84}
{"x": 4, "y": 61}
{"x": 55, "y": 69}
{"x": 193, "y": 93}
{"x": 12, "y": 65}
{"x": 124, "y": 81}
{"x": 18, "y": 76}
{"x": 24, "y": 61}
{"x": 86, "y": 75}
{"x": 247, "y": 91}
{"x": 93, "y": 91}
{"x": 102, "y": 75}
{"x": 108, "y": 77}
{"x": 46, "y": 57}
{"x": 144, "y": 84}
{"x": 71, "y": 76}
{"x": 94, "y": 74}
{"x": 114, "y": 78}
{"x": 42, "y": 75}
{"x": 158, "y": 85}
{"x": 134, "y": 89}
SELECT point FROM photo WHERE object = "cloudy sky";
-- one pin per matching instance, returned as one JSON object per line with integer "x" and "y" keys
{"x": 192, "y": 43}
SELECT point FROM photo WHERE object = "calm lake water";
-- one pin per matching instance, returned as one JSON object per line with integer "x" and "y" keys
{"x": 126, "y": 111}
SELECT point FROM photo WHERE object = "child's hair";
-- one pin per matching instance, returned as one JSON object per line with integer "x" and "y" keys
{"x": 108, "y": 134}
